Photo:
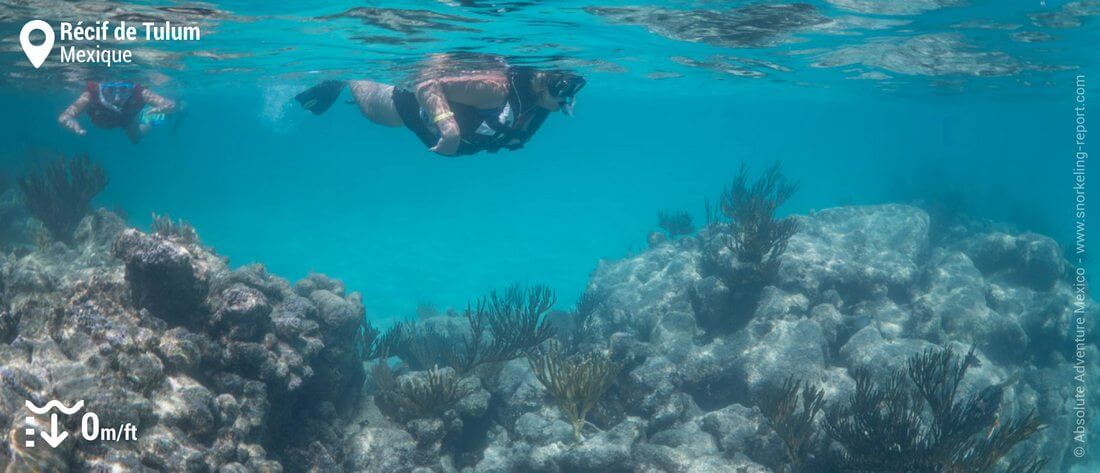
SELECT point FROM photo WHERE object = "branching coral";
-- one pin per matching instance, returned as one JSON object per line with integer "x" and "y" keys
{"x": 572, "y": 330}
{"x": 502, "y": 326}
{"x": 675, "y": 223}
{"x": 516, "y": 320}
{"x": 750, "y": 231}
{"x": 181, "y": 229}
{"x": 62, "y": 194}
{"x": 577, "y": 382}
{"x": 425, "y": 394}
{"x": 757, "y": 237}
{"x": 437, "y": 391}
{"x": 883, "y": 427}
{"x": 368, "y": 339}
{"x": 792, "y": 420}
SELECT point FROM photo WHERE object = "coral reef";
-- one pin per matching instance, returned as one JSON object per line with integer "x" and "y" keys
{"x": 868, "y": 346}
{"x": 857, "y": 293}
{"x": 842, "y": 314}
{"x": 62, "y": 194}
{"x": 219, "y": 369}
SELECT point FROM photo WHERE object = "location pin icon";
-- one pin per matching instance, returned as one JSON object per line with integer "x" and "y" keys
{"x": 37, "y": 54}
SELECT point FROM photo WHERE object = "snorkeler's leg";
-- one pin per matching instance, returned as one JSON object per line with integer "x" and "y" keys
{"x": 376, "y": 102}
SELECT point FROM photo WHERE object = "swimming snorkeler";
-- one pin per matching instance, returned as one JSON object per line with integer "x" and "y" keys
{"x": 461, "y": 114}
{"x": 125, "y": 105}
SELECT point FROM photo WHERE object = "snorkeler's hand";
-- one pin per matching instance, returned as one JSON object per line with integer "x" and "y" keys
{"x": 449, "y": 139}
{"x": 447, "y": 146}
{"x": 73, "y": 126}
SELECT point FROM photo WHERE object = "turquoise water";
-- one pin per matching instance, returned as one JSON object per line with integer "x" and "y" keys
{"x": 900, "y": 102}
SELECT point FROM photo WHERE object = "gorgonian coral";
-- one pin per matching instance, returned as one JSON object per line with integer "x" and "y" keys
{"x": 62, "y": 194}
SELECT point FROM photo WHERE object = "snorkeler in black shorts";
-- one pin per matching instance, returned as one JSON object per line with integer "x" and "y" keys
{"x": 464, "y": 114}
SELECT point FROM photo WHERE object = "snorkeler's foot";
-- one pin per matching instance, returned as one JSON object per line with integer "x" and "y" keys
{"x": 319, "y": 98}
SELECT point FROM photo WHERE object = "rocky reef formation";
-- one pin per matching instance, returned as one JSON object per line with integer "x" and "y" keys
{"x": 230, "y": 370}
{"x": 218, "y": 369}
{"x": 860, "y": 293}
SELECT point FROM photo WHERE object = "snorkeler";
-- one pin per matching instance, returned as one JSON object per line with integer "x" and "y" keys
{"x": 125, "y": 105}
{"x": 462, "y": 114}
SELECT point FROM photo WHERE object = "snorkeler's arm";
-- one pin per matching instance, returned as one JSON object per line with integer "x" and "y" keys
{"x": 482, "y": 91}
{"x": 159, "y": 103}
{"x": 67, "y": 119}
{"x": 430, "y": 95}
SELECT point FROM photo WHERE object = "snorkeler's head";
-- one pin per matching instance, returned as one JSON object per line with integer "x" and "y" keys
{"x": 115, "y": 95}
{"x": 559, "y": 90}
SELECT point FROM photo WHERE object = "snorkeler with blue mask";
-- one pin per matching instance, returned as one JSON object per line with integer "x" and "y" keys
{"x": 125, "y": 105}
{"x": 462, "y": 114}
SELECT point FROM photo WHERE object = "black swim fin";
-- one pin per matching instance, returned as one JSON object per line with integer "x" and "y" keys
{"x": 320, "y": 97}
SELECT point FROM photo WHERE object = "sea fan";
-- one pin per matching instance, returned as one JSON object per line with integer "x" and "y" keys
{"x": 62, "y": 194}
{"x": 577, "y": 382}
{"x": 883, "y": 427}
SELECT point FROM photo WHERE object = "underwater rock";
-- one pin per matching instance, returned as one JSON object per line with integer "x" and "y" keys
{"x": 1043, "y": 315}
{"x": 539, "y": 430}
{"x": 497, "y": 457}
{"x": 681, "y": 448}
{"x": 29, "y": 275}
{"x": 870, "y": 350}
{"x": 653, "y": 391}
{"x": 381, "y": 450}
{"x": 648, "y": 296}
{"x": 606, "y": 451}
{"x": 855, "y": 250}
{"x": 336, "y": 314}
{"x": 787, "y": 348}
{"x": 314, "y": 282}
{"x": 244, "y": 312}
{"x": 1031, "y": 260}
{"x": 954, "y": 308}
{"x": 739, "y": 429}
{"x": 99, "y": 230}
{"x": 520, "y": 391}
{"x": 164, "y": 276}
